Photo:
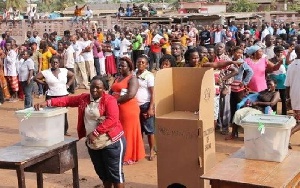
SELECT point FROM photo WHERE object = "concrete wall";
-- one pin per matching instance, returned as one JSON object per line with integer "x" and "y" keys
{"x": 18, "y": 31}
{"x": 214, "y": 9}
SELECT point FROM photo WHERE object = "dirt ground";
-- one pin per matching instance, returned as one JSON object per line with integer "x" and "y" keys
{"x": 140, "y": 175}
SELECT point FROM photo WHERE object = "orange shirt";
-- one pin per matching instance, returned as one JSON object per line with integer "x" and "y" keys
{"x": 77, "y": 12}
{"x": 100, "y": 37}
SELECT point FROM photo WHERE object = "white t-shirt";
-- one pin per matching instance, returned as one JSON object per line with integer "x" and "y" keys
{"x": 293, "y": 55}
{"x": 218, "y": 36}
{"x": 78, "y": 48}
{"x": 57, "y": 85}
{"x": 264, "y": 34}
{"x": 292, "y": 81}
{"x": 146, "y": 80}
{"x": 89, "y": 13}
{"x": 269, "y": 51}
{"x": 10, "y": 64}
{"x": 87, "y": 56}
{"x": 32, "y": 13}
{"x": 24, "y": 68}
{"x": 69, "y": 57}
{"x": 124, "y": 47}
{"x": 280, "y": 31}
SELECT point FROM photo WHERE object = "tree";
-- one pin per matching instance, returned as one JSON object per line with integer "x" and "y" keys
{"x": 243, "y": 6}
{"x": 56, "y": 5}
{"x": 19, "y": 4}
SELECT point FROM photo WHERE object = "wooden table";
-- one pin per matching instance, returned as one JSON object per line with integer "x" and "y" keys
{"x": 55, "y": 159}
{"x": 237, "y": 172}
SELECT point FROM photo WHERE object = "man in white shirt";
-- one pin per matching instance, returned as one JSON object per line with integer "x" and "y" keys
{"x": 264, "y": 33}
{"x": 69, "y": 60}
{"x": 10, "y": 71}
{"x": 269, "y": 50}
{"x": 218, "y": 35}
{"x": 79, "y": 66}
{"x": 26, "y": 69}
{"x": 87, "y": 54}
{"x": 31, "y": 15}
{"x": 125, "y": 45}
{"x": 88, "y": 15}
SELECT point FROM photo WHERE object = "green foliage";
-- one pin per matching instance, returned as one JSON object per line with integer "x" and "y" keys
{"x": 293, "y": 7}
{"x": 243, "y": 6}
{"x": 19, "y": 4}
{"x": 56, "y": 5}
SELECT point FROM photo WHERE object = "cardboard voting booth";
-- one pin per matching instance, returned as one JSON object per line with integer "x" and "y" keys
{"x": 185, "y": 139}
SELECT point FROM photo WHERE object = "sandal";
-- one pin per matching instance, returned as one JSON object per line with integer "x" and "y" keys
{"x": 151, "y": 158}
{"x": 129, "y": 162}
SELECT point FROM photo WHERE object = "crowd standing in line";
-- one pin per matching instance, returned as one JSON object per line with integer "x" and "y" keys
{"x": 245, "y": 59}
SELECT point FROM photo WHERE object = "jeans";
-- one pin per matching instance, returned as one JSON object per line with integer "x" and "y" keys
{"x": 154, "y": 58}
{"x": 97, "y": 65}
{"x": 27, "y": 89}
{"x": 41, "y": 88}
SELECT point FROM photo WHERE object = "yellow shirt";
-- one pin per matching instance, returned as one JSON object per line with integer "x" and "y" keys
{"x": 180, "y": 63}
{"x": 100, "y": 37}
{"x": 183, "y": 40}
{"x": 203, "y": 60}
{"x": 46, "y": 56}
{"x": 167, "y": 41}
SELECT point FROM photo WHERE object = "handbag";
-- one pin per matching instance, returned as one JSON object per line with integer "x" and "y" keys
{"x": 100, "y": 142}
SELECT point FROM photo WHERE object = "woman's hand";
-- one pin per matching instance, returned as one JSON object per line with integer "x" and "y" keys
{"x": 91, "y": 138}
{"x": 40, "y": 105}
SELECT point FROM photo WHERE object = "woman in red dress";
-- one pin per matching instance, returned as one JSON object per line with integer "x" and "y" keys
{"x": 124, "y": 89}
{"x": 110, "y": 64}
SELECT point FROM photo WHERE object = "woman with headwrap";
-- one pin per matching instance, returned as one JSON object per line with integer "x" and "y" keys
{"x": 260, "y": 66}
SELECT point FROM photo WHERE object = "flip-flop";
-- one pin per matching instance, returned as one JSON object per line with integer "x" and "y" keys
{"x": 151, "y": 158}
{"x": 129, "y": 162}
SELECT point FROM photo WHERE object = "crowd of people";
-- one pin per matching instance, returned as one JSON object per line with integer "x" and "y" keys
{"x": 245, "y": 59}
{"x": 137, "y": 10}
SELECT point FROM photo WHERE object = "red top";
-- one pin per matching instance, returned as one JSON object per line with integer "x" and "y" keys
{"x": 155, "y": 47}
{"x": 108, "y": 107}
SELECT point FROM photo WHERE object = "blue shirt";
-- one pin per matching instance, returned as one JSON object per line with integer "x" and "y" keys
{"x": 234, "y": 30}
{"x": 244, "y": 68}
{"x": 116, "y": 47}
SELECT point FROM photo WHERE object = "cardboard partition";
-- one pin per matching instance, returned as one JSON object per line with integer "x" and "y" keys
{"x": 185, "y": 140}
